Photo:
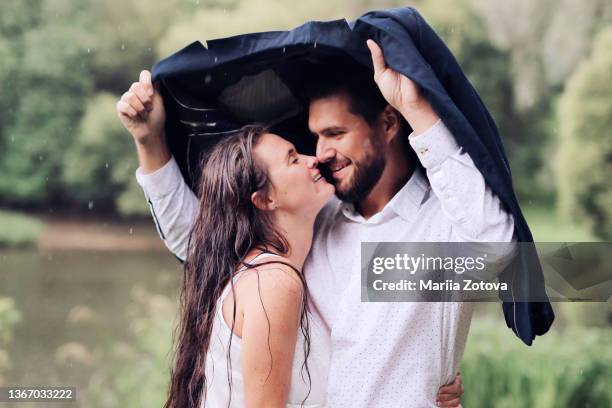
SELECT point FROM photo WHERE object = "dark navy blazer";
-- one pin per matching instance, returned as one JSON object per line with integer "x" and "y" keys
{"x": 268, "y": 65}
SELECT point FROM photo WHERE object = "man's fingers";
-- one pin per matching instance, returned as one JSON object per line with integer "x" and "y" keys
{"x": 139, "y": 89}
{"x": 125, "y": 109}
{"x": 134, "y": 102}
{"x": 145, "y": 79}
{"x": 453, "y": 388}
{"x": 447, "y": 396}
{"x": 378, "y": 60}
{"x": 451, "y": 403}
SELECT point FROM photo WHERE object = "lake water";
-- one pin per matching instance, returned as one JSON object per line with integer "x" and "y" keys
{"x": 74, "y": 305}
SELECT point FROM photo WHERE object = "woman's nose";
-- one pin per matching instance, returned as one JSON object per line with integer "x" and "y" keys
{"x": 311, "y": 161}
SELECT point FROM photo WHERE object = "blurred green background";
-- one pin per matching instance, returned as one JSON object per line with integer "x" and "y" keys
{"x": 87, "y": 293}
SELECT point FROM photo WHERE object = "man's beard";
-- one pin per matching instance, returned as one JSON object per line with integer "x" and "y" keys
{"x": 366, "y": 174}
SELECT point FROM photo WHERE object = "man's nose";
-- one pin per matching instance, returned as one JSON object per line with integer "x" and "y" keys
{"x": 324, "y": 152}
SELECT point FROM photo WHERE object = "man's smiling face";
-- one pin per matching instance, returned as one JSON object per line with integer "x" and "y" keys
{"x": 348, "y": 145}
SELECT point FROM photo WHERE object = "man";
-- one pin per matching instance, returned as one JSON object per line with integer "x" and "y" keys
{"x": 383, "y": 354}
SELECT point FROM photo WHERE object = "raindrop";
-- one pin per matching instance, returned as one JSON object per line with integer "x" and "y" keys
{"x": 106, "y": 165}
{"x": 90, "y": 205}
{"x": 131, "y": 230}
{"x": 88, "y": 50}
{"x": 40, "y": 158}
{"x": 197, "y": 2}
{"x": 283, "y": 50}
{"x": 122, "y": 47}
{"x": 207, "y": 79}
{"x": 12, "y": 138}
{"x": 149, "y": 49}
{"x": 216, "y": 59}
{"x": 315, "y": 44}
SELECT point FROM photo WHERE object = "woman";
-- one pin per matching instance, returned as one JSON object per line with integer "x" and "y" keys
{"x": 245, "y": 336}
{"x": 245, "y": 331}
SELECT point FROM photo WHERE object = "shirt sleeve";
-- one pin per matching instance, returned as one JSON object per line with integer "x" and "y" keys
{"x": 173, "y": 205}
{"x": 475, "y": 212}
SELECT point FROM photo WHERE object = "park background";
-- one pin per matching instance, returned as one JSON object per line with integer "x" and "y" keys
{"x": 88, "y": 295}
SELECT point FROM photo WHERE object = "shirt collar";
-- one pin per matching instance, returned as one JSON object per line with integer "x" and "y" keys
{"x": 405, "y": 203}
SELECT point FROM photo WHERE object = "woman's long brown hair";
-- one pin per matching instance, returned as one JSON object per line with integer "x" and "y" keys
{"x": 227, "y": 227}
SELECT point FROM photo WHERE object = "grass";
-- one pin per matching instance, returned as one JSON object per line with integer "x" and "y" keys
{"x": 547, "y": 226}
{"x": 18, "y": 229}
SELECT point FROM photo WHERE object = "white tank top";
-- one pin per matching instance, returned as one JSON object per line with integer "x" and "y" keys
{"x": 218, "y": 391}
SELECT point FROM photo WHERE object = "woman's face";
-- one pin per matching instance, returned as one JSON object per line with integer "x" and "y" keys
{"x": 297, "y": 186}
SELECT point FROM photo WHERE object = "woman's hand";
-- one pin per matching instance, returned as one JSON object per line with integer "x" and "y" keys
{"x": 450, "y": 395}
{"x": 141, "y": 110}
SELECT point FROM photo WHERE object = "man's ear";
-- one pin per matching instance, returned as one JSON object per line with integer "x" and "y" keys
{"x": 263, "y": 202}
{"x": 391, "y": 122}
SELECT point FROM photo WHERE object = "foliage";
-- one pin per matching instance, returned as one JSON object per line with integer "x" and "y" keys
{"x": 59, "y": 56}
{"x": 137, "y": 374}
{"x": 9, "y": 317}
{"x": 568, "y": 369}
{"x": 103, "y": 151}
{"x": 18, "y": 229}
{"x": 584, "y": 161}
{"x": 53, "y": 68}
{"x": 547, "y": 226}
{"x": 247, "y": 16}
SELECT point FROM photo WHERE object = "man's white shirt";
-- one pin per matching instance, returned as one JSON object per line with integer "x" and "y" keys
{"x": 383, "y": 354}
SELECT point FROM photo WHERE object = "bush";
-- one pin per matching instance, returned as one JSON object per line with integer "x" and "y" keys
{"x": 562, "y": 369}
{"x": 137, "y": 374}
{"x": 9, "y": 317}
{"x": 99, "y": 166}
{"x": 584, "y": 162}
{"x": 18, "y": 229}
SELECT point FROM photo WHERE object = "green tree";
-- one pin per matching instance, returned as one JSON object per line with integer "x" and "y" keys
{"x": 52, "y": 79}
{"x": 584, "y": 161}
{"x": 99, "y": 166}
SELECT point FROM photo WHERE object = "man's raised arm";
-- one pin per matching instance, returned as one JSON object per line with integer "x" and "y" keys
{"x": 475, "y": 212}
{"x": 173, "y": 205}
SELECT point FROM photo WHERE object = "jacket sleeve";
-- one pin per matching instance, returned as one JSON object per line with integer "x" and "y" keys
{"x": 475, "y": 212}
{"x": 173, "y": 205}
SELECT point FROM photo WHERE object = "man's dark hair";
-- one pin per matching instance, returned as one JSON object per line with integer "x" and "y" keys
{"x": 336, "y": 75}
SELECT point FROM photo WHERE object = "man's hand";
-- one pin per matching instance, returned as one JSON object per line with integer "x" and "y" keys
{"x": 401, "y": 92}
{"x": 141, "y": 110}
{"x": 450, "y": 395}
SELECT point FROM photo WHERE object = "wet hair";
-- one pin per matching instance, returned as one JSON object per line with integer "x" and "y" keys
{"x": 228, "y": 226}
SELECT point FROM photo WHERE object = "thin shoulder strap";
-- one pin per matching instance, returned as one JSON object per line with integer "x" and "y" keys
{"x": 248, "y": 265}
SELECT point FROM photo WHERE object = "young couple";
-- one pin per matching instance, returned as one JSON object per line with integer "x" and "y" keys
{"x": 271, "y": 311}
